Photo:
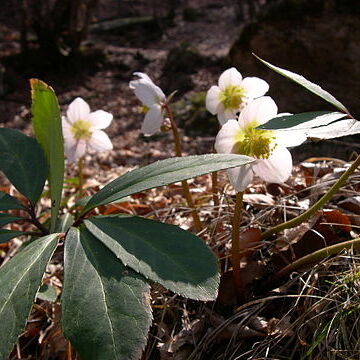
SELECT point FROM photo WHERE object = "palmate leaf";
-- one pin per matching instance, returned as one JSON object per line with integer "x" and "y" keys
{"x": 20, "y": 279}
{"x": 299, "y": 79}
{"x": 6, "y": 235}
{"x": 6, "y": 219}
{"x": 8, "y": 202}
{"x": 23, "y": 162}
{"x": 302, "y": 121}
{"x": 106, "y": 312}
{"x": 164, "y": 172}
{"x": 46, "y": 121}
{"x": 164, "y": 253}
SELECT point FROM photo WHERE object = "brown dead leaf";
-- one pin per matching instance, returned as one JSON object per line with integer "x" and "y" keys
{"x": 259, "y": 200}
{"x": 338, "y": 219}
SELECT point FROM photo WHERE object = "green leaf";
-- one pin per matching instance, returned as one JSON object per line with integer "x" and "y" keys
{"x": 299, "y": 79}
{"x": 304, "y": 120}
{"x": 6, "y": 235}
{"x": 8, "y": 202}
{"x": 63, "y": 223}
{"x": 46, "y": 120}
{"x": 23, "y": 161}
{"x": 167, "y": 254}
{"x": 47, "y": 293}
{"x": 106, "y": 312}
{"x": 20, "y": 279}
{"x": 6, "y": 219}
{"x": 164, "y": 172}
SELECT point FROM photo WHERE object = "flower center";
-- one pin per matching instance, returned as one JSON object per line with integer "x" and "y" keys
{"x": 232, "y": 97}
{"x": 81, "y": 130}
{"x": 254, "y": 142}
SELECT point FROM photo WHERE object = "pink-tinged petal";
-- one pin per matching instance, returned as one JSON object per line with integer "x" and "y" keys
{"x": 277, "y": 168}
{"x": 240, "y": 177}
{"x": 290, "y": 138}
{"x": 152, "y": 121}
{"x": 100, "y": 141}
{"x": 212, "y": 99}
{"x": 100, "y": 119}
{"x": 230, "y": 77}
{"x": 254, "y": 87}
{"x": 76, "y": 152}
{"x": 260, "y": 111}
{"x": 225, "y": 139}
{"x": 78, "y": 110}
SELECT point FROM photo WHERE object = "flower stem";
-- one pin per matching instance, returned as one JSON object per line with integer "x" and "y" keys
{"x": 235, "y": 246}
{"x": 318, "y": 205}
{"x": 185, "y": 185}
{"x": 215, "y": 189}
{"x": 80, "y": 177}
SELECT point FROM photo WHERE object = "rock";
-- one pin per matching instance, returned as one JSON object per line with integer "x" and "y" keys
{"x": 318, "y": 39}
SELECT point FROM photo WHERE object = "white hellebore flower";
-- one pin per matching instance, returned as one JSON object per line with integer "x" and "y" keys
{"x": 153, "y": 99}
{"x": 273, "y": 160}
{"x": 81, "y": 129}
{"x": 233, "y": 93}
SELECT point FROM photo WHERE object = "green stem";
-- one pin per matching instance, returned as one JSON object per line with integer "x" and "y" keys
{"x": 185, "y": 185}
{"x": 315, "y": 258}
{"x": 317, "y": 206}
{"x": 235, "y": 246}
{"x": 81, "y": 177}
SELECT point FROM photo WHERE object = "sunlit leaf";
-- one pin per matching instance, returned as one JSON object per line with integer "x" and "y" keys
{"x": 299, "y": 79}
{"x": 23, "y": 162}
{"x": 162, "y": 173}
{"x": 167, "y": 254}
{"x": 106, "y": 312}
{"x": 20, "y": 279}
{"x": 46, "y": 120}
{"x": 305, "y": 120}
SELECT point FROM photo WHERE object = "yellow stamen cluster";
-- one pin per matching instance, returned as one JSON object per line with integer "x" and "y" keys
{"x": 232, "y": 97}
{"x": 254, "y": 142}
{"x": 81, "y": 130}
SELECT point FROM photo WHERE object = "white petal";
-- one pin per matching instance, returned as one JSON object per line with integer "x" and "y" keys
{"x": 225, "y": 139}
{"x": 290, "y": 138}
{"x": 260, "y": 110}
{"x": 212, "y": 99}
{"x": 100, "y": 141}
{"x": 240, "y": 177}
{"x": 147, "y": 92}
{"x": 225, "y": 115}
{"x": 78, "y": 110}
{"x": 152, "y": 121}
{"x": 230, "y": 77}
{"x": 76, "y": 152}
{"x": 142, "y": 76}
{"x": 255, "y": 87}
{"x": 277, "y": 168}
{"x": 100, "y": 119}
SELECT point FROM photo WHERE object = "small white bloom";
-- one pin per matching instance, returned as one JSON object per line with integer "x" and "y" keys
{"x": 233, "y": 93}
{"x": 273, "y": 160}
{"x": 81, "y": 129}
{"x": 153, "y": 99}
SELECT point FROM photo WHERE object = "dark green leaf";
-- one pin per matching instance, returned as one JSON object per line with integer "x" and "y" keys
{"x": 8, "y": 202}
{"x": 175, "y": 258}
{"x": 6, "y": 235}
{"x": 6, "y": 219}
{"x": 22, "y": 160}
{"x": 47, "y": 293}
{"x": 164, "y": 172}
{"x": 299, "y": 79}
{"x": 106, "y": 312}
{"x": 305, "y": 120}
{"x": 20, "y": 279}
{"x": 46, "y": 120}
